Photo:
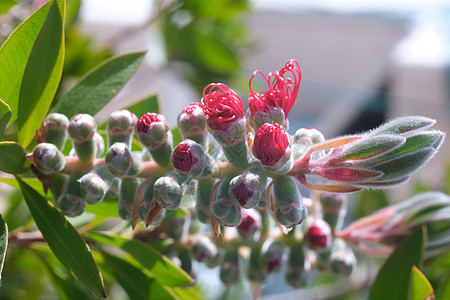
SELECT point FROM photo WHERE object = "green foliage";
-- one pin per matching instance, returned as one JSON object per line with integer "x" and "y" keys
{"x": 5, "y": 5}
{"x": 63, "y": 239}
{"x": 13, "y": 159}
{"x": 3, "y": 242}
{"x": 99, "y": 86}
{"x": 5, "y": 115}
{"x": 419, "y": 288}
{"x": 393, "y": 279}
{"x": 41, "y": 75}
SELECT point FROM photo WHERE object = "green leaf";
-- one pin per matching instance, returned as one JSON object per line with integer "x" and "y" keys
{"x": 393, "y": 279}
{"x": 5, "y": 115}
{"x": 5, "y": 5}
{"x": 14, "y": 55}
{"x": 41, "y": 76}
{"x": 66, "y": 285}
{"x": 164, "y": 270}
{"x": 99, "y": 86}
{"x": 13, "y": 158}
{"x": 148, "y": 104}
{"x": 216, "y": 55}
{"x": 419, "y": 288}
{"x": 135, "y": 282}
{"x": 3, "y": 242}
{"x": 443, "y": 291}
{"x": 106, "y": 208}
{"x": 35, "y": 183}
{"x": 63, "y": 239}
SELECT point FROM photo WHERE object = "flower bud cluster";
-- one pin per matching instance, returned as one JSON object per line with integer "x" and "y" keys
{"x": 252, "y": 183}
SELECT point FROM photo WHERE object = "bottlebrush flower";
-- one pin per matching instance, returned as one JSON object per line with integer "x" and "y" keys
{"x": 246, "y": 189}
{"x": 225, "y": 113}
{"x": 192, "y": 123}
{"x": 385, "y": 229}
{"x": 274, "y": 105}
{"x": 272, "y": 147}
{"x": 381, "y": 158}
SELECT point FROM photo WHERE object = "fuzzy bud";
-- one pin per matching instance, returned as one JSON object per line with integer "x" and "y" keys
{"x": 92, "y": 188}
{"x": 250, "y": 224}
{"x": 289, "y": 210}
{"x": 246, "y": 189}
{"x": 256, "y": 271}
{"x": 318, "y": 234}
{"x": 272, "y": 253}
{"x": 121, "y": 162}
{"x": 54, "y": 129}
{"x": 342, "y": 259}
{"x": 333, "y": 207}
{"x": 295, "y": 274}
{"x": 82, "y": 128}
{"x": 203, "y": 203}
{"x": 127, "y": 192}
{"x": 230, "y": 269}
{"x": 168, "y": 192}
{"x": 152, "y": 130}
{"x": 203, "y": 249}
{"x": 303, "y": 139}
{"x": 120, "y": 127}
{"x": 192, "y": 123}
{"x": 226, "y": 211}
{"x": 47, "y": 158}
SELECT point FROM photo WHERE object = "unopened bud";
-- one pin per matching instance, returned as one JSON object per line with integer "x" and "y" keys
{"x": 82, "y": 128}
{"x": 54, "y": 129}
{"x": 342, "y": 258}
{"x": 48, "y": 159}
{"x": 192, "y": 123}
{"x": 318, "y": 234}
{"x": 246, "y": 189}
{"x": 168, "y": 192}
{"x": 303, "y": 139}
{"x": 226, "y": 211}
{"x": 272, "y": 252}
{"x": 289, "y": 210}
{"x": 121, "y": 162}
{"x": 99, "y": 145}
{"x": 333, "y": 207}
{"x": 120, "y": 127}
{"x": 92, "y": 188}
{"x": 250, "y": 224}
{"x": 230, "y": 269}
{"x": 203, "y": 249}
{"x": 71, "y": 205}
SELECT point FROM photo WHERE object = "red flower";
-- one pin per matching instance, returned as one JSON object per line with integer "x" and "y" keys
{"x": 318, "y": 235}
{"x": 270, "y": 144}
{"x": 222, "y": 106}
{"x": 152, "y": 129}
{"x": 283, "y": 89}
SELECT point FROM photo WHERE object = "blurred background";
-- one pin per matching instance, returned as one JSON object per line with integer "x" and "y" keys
{"x": 363, "y": 62}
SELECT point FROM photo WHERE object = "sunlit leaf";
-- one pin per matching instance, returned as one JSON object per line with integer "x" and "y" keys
{"x": 419, "y": 287}
{"x": 12, "y": 158}
{"x": 216, "y": 55}
{"x": 99, "y": 86}
{"x": 14, "y": 55}
{"x": 393, "y": 279}
{"x": 41, "y": 76}
{"x": 3, "y": 242}
{"x": 65, "y": 242}
{"x": 5, "y": 115}
{"x": 136, "y": 283}
{"x": 164, "y": 270}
